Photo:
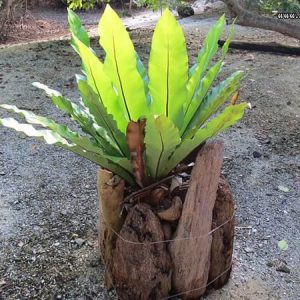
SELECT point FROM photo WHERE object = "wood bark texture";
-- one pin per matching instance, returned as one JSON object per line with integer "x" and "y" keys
{"x": 111, "y": 191}
{"x": 191, "y": 258}
{"x": 142, "y": 271}
{"x": 222, "y": 238}
{"x": 247, "y": 18}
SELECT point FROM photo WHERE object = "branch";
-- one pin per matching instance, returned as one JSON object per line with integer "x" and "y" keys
{"x": 247, "y": 18}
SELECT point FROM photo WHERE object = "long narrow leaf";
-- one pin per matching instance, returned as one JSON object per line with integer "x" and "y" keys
{"x": 200, "y": 89}
{"x": 168, "y": 69}
{"x": 212, "y": 102}
{"x": 143, "y": 73}
{"x": 204, "y": 86}
{"x": 61, "y": 130}
{"x": 77, "y": 29}
{"x": 103, "y": 119}
{"x": 93, "y": 69}
{"x": 227, "y": 118}
{"x": 70, "y": 136}
{"x": 205, "y": 56}
{"x": 83, "y": 119}
{"x": 121, "y": 65}
{"x": 49, "y": 136}
{"x": 161, "y": 139}
{"x": 53, "y": 138}
{"x": 101, "y": 83}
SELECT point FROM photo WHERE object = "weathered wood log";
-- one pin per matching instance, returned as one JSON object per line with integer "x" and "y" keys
{"x": 191, "y": 258}
{"x": 111, "y": 191}
{"x": 222, "y": 238}
{"x": 264, "y": 47}
{"x": 141, "y": 271}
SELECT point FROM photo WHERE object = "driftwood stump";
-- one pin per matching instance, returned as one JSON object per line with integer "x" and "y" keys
{"x": 199, "y": 202}
{"x": 222, "y": 238}
{"x": 147, "y": 265}
{"x": 177, "y": 250}
{"x": 110, "y": 190}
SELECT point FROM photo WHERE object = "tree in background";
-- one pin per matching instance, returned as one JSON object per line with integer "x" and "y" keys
{"x": 159, "y": 4}
{"x": 7, "y": 10}
{"x": 246, "y": 17}
{"x": 16, "y": 11}
{"x": 152, "y": 4}
{"x": 83, "y": 4}
{"x": 273, "y": 6}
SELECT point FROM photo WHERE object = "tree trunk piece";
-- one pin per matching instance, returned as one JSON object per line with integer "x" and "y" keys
{"x": 191, "y": 257}
{"x": 7, "y": 16}
{"x": 222, "y": 238}
{"x": 141, "y": 271}
{"x": 111, "y": 191}
{"x": 247, "y": 18}
{"x": 264, "y": 47}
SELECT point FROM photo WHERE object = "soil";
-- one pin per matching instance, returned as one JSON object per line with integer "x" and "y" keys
{"x": 42, "y": 24}
{"x": 48, "y": 199}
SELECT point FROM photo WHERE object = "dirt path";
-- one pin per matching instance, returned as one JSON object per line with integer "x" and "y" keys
{"x": 48, "y": 201}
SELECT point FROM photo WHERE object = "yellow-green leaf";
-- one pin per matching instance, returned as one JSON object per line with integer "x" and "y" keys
{"x": 121, "y": 65}
{"x": 62, "y": 136}
{"x": 212, "y": 101}
{"x": 225, "y": 119}
{"x": 161, "y": 139}
{"x": 96, "y": 108}
{"x": 77, "y": 29}
{"x": 205, "y": 56}
{"x": 283, "y": 245}
{"x": 168, "y": 69}
{"x": 101, "y": 83}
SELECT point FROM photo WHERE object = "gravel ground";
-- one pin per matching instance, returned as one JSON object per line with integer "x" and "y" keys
{"x": 48, "y": 200}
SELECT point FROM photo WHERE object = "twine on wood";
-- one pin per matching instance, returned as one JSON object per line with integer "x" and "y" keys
{"x": 188, "y": 291}
{"x": 174, "y": 240}
{"x": 166, "y": 241}
{"x": 191, "y": 290}
{"x": 200, "y": 288}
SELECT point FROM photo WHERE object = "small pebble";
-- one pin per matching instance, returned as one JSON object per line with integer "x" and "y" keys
{"x": 79, "y": 241}
{"x": 63, "y": 212}
{"x": 270, "y": 264}
{"x": 256, "y": 154}
{"x": 282, "y": 267}
{"x": 249, "y": 250}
